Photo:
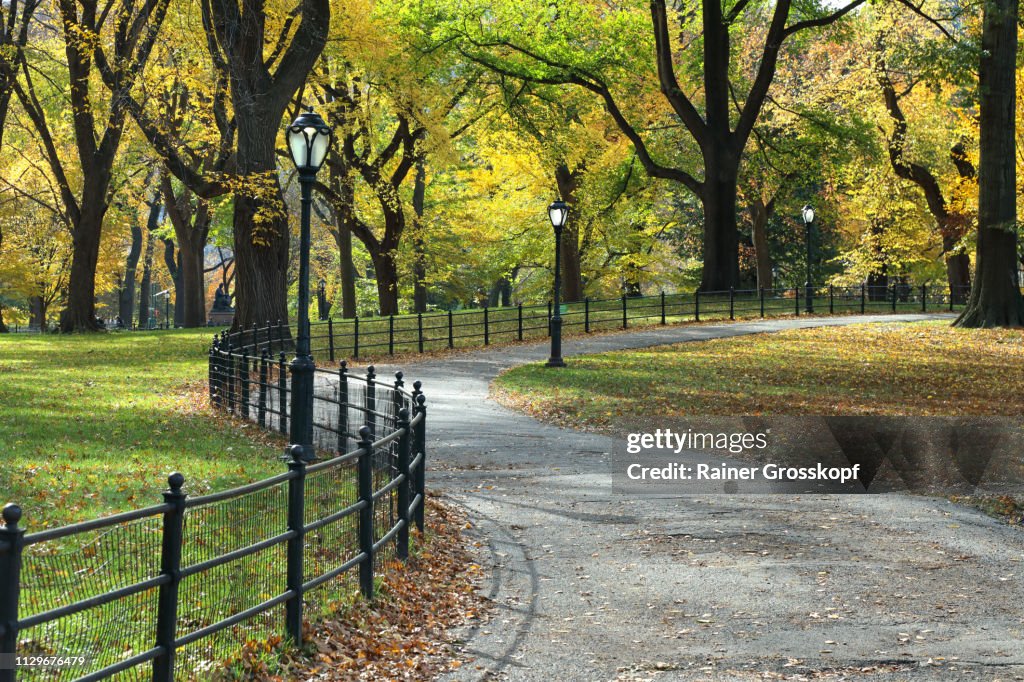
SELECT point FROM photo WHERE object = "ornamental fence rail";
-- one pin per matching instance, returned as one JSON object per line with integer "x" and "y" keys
{"x": 176, "y": 590}
{"x": 419, "y": 333}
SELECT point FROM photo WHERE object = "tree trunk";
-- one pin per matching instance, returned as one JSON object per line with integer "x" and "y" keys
{"x": 572, "y": 276}
{"x": 759, "y": 215}
{"x": 386, "y": 271}
{"x": 80, "y": 313}
{"x": 145, "y": 286}
{"x": 37, "y": 312}
{"x": 261, "y": 230}
{"x": 192, "y": 300}
{"x": 958, "y": 270}
{"x": 3, "y": 325}
{"x": 172, "y": 260}
{"x": 995, "y": 299}
{"x": 721, "y": 235}
{"x": 126, "y": 295}
{"x": 419, "y": 265}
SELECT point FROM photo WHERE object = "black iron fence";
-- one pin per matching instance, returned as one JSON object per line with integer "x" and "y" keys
{"x": 378, "y": 336}
{"x": 172, "y": 591}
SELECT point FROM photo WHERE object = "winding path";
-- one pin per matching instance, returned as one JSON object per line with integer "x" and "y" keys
{"x": 590, "y": 585}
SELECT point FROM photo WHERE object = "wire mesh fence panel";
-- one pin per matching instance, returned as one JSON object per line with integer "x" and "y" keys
{"x": 88, "y": 565}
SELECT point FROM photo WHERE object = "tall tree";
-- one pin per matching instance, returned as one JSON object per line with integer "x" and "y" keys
{"x": 115, "y": 40}
{"x": 995, "y": 298}
{"x": 718, "y": 124}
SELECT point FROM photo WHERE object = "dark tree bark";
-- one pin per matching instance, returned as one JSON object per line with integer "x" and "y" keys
{"x": 342, "y": 199}
{"x": 261, "y": 89}
{"x": 126, "y": 293}
{"x": 172, "y": 261}
{"x": 145, "y": 285}
{"x": 191, "y": 218}
{"x": 419, "y": 266}
{"x": 995, "y": 298}
{"x": 572, "y": 272}
{"x": 952, "y": 225}
{"x": 37, "y": 309}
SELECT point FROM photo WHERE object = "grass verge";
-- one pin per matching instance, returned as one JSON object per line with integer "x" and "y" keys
{"x": 918, "y": 368}
{"x": 92, "y": 424}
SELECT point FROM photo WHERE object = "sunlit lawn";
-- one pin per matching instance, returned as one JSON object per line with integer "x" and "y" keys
{"x": 921, "y": 368}
{"x": 94, "y": 423}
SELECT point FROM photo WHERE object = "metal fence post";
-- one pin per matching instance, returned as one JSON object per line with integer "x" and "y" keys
{"x": 212, "y": 372}
{"x": 391, "y": 334}
{"x": 760, "y": 296}
{"x": 231, "y": 378}
{"x": 419, "y": 329}
{"x": 586, "y": 314}
{"x": 663, "y": 306}
{"x": 796, "y": 291}
{"x": 355, "y": 337}
{"x": 170, "y": 565}
{"x": 487, "y": 328}
{"x": 396, "y": 397}
{"x": 330, "y": 337}
{"x": 924, "y": 298}
{"x": 261, "y": 407}
{"x": 732, "y": 303}
{"x": 11, "y": 540}
{"x": 365, "y": 475}
{"x": 296, "y": 545}
{"x": 625, "y": 317}
{"x": 342, "y": 406}
{"x": 370, "y": 402}
{"x": 404, "y": 447}
{"x": 282, "y": 394}
{"x": 451, "y": 330}
{"x": 245, "y": 375}
{"x": 421, "y": 449}
{"x": 520, "y": 306}
{"x": 696, "y": 305}
{"x": 831, "y": 299}
{"x": 894, "y": 298}
{"x": 863, "y": 298}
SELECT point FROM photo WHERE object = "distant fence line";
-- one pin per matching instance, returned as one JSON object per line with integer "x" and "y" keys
{"x": 171, "y": 591}
{"x": 419, "y": 333}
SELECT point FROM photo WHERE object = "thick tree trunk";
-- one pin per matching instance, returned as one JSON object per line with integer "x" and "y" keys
{"x": 80, "y": 313}
{"x": 261, "y": 230}
{"x": 386, "y": 271}
{"x": 192, "y": 299}
{"x": 759, "y": 214}
{"x": 721, "y": 235}
{"x": 419, "y": 265}
{"x": 572, "y": 276}
{"x": 958, "y": 270}
{"x": 145, "y": 286}
{"x": 995, "y": 299}
{"x": 172, "y": 261}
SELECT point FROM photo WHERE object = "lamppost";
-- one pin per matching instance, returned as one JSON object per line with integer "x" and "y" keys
{"x": 808, "y": 287}
{"x": 309, "y": 138}
{"x": 558, "y": 211}
{"x": 321, "y": 299}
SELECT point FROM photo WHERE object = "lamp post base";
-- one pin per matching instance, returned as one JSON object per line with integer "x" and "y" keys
{"x": 555, "y": 362}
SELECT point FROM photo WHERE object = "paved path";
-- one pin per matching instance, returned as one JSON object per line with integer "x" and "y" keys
{"x": 589, "y": 585}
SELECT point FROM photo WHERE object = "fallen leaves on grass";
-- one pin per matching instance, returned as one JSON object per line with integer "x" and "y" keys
{"x": 404, "y": 634}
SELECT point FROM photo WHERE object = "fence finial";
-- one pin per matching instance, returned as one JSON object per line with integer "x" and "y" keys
{"x": 11, "y": 514}
{"x": 371, "y": 373}
{"x": 297, "y": 452}
{"x": 175, "y": 481}
{"x": 364, "y": 434}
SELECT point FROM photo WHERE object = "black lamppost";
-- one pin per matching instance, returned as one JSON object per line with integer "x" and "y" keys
{"x": 309, "y": 139}
{"x": 321, "y": 298}
{"x": 558, "y": 211}
{"x": 808, "y": 287}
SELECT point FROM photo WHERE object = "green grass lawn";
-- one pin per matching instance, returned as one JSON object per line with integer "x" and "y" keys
{"x": 921, "y": 368}
{"x": 92, "y": 424}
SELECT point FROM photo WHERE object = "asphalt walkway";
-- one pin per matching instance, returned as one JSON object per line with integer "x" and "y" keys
{"x": 592, "y": 585}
